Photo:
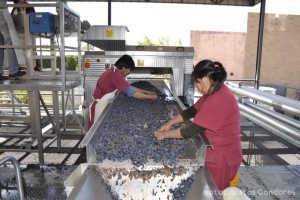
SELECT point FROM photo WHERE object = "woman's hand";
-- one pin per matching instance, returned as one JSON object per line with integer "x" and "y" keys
{"x": 151, "y": 93}
{"x": 165, "y": 134}
{"x": 153, "y": 96}
{"x": 162, "y": 132}
{"x": 160, "y": 135}
{"x": 164, "y": 127}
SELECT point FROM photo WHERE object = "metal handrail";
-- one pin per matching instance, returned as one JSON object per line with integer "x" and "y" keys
{"x": 17, "y": 167}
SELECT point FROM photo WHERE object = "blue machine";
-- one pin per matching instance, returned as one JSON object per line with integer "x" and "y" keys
{"x": 42, "y": 22}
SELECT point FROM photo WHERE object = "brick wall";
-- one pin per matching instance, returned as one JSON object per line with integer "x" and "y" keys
{"x": 281, "y": 49}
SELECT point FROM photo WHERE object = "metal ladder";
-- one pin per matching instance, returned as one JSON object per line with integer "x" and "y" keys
{"x": 17, "y": 167}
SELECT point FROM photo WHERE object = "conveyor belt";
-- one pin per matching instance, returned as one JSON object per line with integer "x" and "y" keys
{"x": 127, "y": 132}
{"x": 123, "y": 152}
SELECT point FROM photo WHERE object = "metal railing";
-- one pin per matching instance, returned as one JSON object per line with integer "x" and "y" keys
{"x": 18, "y": 171}
{"x": 281, "y": 125}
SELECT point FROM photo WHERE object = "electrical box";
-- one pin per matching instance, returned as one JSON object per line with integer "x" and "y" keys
{"x": 42, "y": 22}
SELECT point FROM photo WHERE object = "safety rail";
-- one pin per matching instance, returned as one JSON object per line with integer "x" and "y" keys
{"x": 19, "y": 178}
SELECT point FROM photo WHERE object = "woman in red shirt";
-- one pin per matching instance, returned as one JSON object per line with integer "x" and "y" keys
{"x": 28, "y": 10}
{"x": 217, "y": 115}
{"x": 113, "y": 80}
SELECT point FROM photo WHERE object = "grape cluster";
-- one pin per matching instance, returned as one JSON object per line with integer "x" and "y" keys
{"x": 127, "y": 132}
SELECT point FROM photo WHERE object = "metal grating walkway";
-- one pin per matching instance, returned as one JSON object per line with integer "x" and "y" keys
{"x": 45, "y": 184}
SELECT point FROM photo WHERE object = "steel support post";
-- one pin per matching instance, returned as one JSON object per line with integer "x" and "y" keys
{"x": 35, "y": 122}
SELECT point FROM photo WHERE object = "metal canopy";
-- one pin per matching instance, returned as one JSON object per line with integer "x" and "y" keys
{"x": 209, "y": 2}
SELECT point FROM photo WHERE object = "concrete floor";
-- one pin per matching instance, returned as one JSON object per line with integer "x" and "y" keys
{"x": 270, "y": 182}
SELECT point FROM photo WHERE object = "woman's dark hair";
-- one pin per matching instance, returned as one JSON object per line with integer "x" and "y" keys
{"x": 125, "y": 61}
{"x": 213, "y": 70}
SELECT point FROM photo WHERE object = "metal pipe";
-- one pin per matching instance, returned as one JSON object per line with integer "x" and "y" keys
{"x": 26, "y": 135}
{"x": 254, "y": 94}
{"x": 274, "y": 114}
{"x": 260, "y": 42}
{"x": 109, "y": 12}
{"x": 35, "y": 122}
{"x": 19, "y": 150}
{"x": 16, "y": 135}
{"x": 271, "y": 129}
{"x": 19, "y": 178}
{"x": 278, "y": 125}
{"x": 281, "y": 99}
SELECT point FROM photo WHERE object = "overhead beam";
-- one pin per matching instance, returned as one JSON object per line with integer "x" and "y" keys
{"x": 208, "y": 2}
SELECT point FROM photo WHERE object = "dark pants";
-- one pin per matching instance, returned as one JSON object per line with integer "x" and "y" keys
{"x": 13, "y": 65}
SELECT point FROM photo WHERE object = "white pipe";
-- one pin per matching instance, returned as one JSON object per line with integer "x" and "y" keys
{"x": 271, "y": 129}
{"x": 287, "y": 105}
{"x": 274, "y": 114}
{"x": 282, "y": 99}
{"x": 284, "y": 129}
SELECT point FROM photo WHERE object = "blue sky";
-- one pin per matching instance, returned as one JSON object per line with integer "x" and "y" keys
{"x": 175, "y": 21}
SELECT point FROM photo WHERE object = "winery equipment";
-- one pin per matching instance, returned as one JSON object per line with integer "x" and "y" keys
{"x": 164, "y": 62}
{"x": 124, "y": 159}
{"x": 56, "y": 79}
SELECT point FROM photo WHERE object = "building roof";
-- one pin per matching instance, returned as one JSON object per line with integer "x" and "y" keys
{"x": 209, "y": 2}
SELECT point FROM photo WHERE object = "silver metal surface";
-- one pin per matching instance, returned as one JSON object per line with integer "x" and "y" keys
{"x": 91, "y": 182}
{"x": 283, "y": 103}
{"x": 87, "y": 186}
{"x": 107, "y": 38}
{"x": 288, "y": 120}
{"x": 274, "y": 122}
{"x": 150, "y": 60}
{"x": 35, "y": 123}
{"x": 39, "y": 85}
{"x": 102, "y": 32}
{"x": 274, "y": 126}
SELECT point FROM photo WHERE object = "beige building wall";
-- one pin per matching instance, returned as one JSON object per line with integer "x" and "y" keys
{"x": 281, "y": 49}
{"x": 280, "y": 64}
{"x": 225, "y": 47}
